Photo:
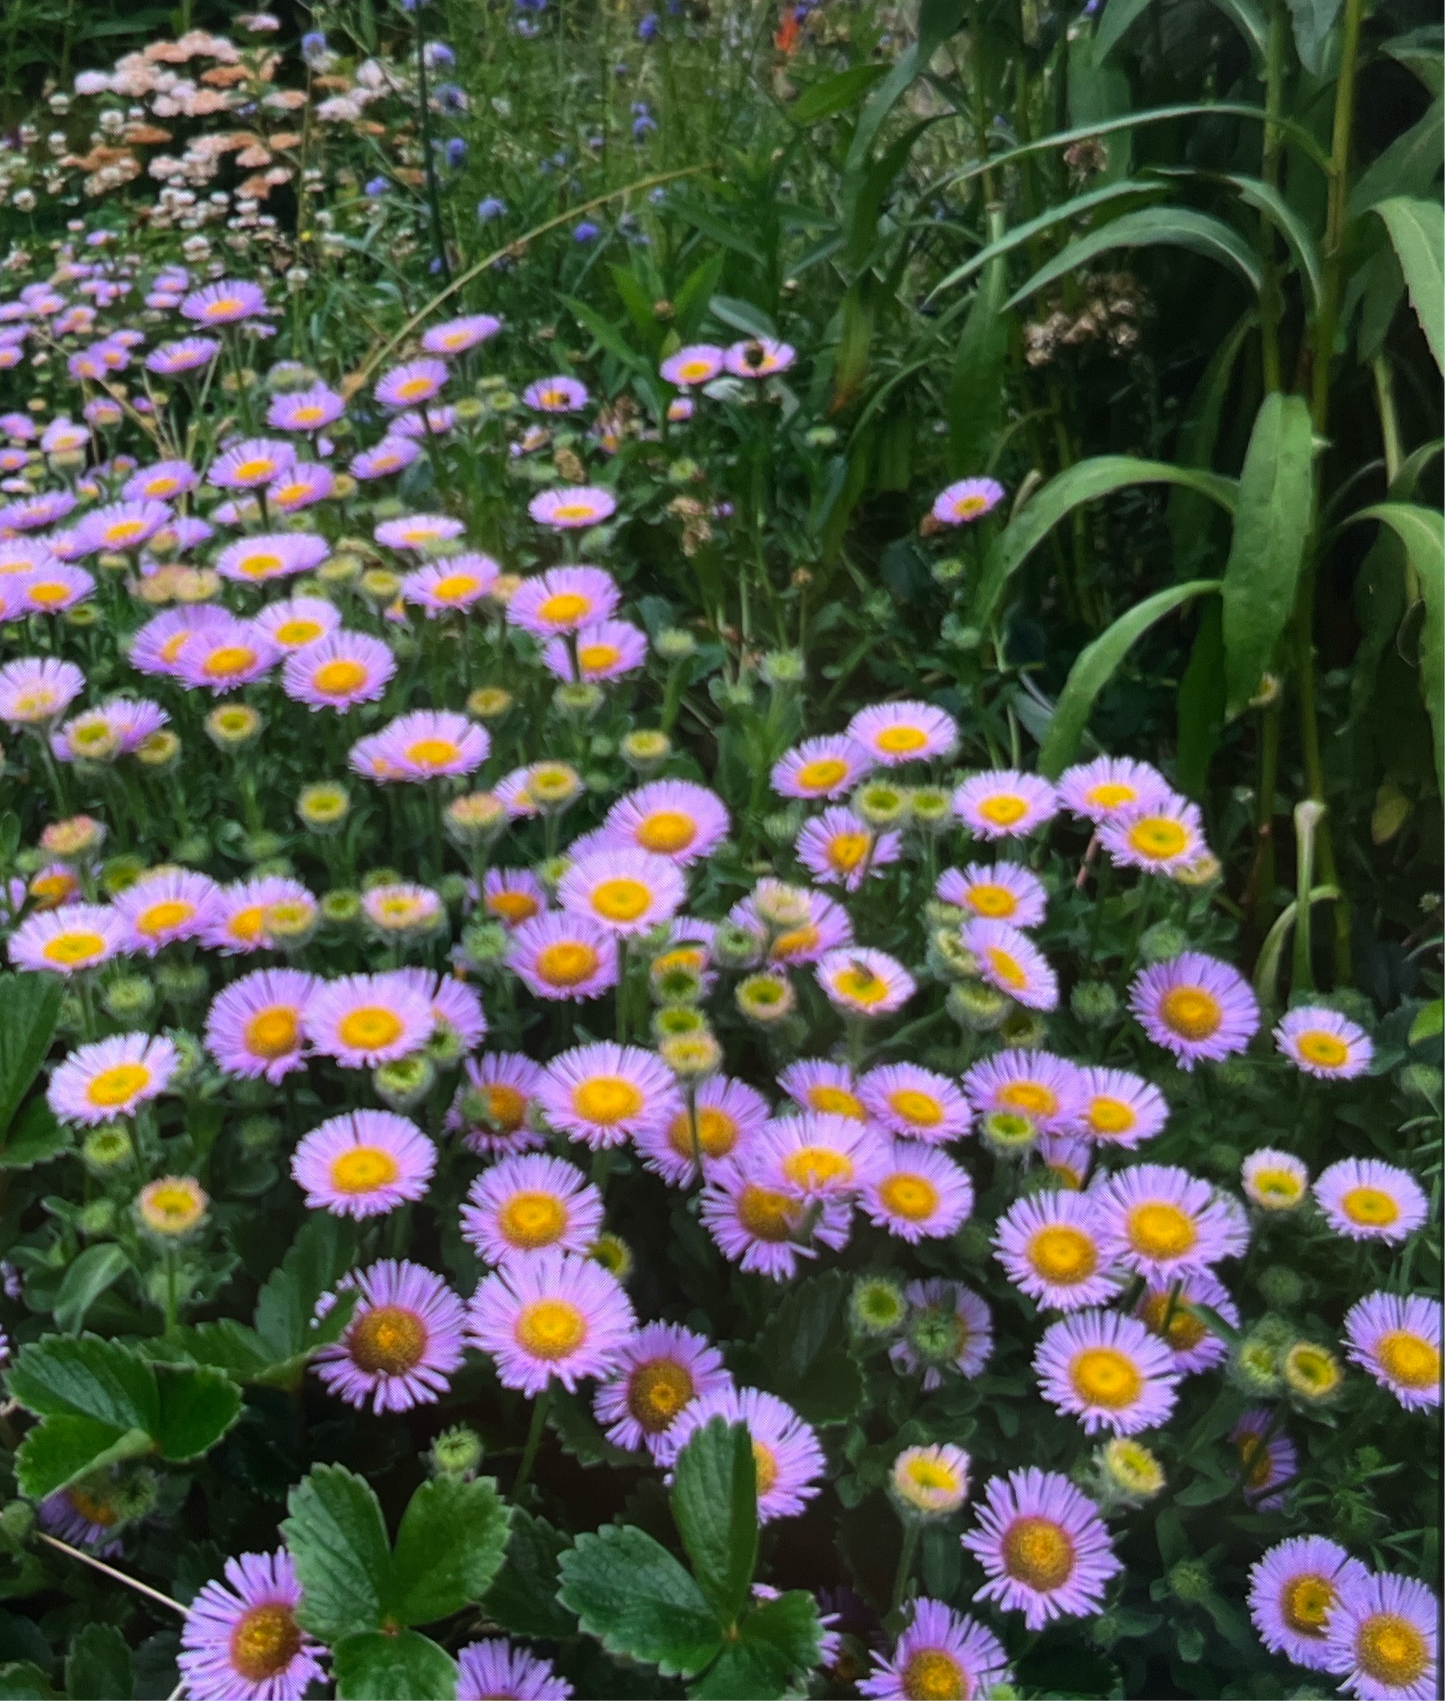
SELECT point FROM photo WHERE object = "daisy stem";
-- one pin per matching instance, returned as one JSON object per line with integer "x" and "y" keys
{"x": 110, "y": 1571}
{"x": 170, "y": 1290}
{"x": 692, "y": 1132}
{"x": 1169, "y": 1308}
{"x": 622, "y": 991}
{"x": 905, "y": 1563}
{"x": 534, "y": 1441}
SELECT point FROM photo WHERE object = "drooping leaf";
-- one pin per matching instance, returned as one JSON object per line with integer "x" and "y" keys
{"x": 337, "y": 1537}
{"x": 1191, "y": 516}
{"x": 94, "y": 1270}
{"x": 1086, "y": 481}
{"x": 97, "y": 1664}
{"x": 1272, "y": 527}
{"x": 715, "y": 1506}
{"x": 1096, "y": 666}
{"x": 29, "y": 1010}
{"x": 523, "y": 1596}
{"x": 450, "y": 1546}
{"x": 1417, "y": 232}
{"x": 631, "y": 1594}
{"x": 371, "y": 1665}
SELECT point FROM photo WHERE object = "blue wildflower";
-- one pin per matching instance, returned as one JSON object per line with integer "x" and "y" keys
{"x": 490, "y": 209}
{"x": 586, "y": 231}
{"x": 648, "y": 27}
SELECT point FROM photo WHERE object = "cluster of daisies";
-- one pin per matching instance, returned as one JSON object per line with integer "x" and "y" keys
{"x": 266, "y": 618}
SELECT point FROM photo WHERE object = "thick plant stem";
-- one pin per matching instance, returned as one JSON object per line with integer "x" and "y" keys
{"x": 1270, "y": 304}
{"x": 534, "y": 1441}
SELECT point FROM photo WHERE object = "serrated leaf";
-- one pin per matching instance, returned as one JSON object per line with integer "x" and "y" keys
{"x": 337, "y": 1537}
{"x": 450, "y": 1546}
{"x": 97, "y": 1664}
{"x": 715, "y": 1506}
{"x": 1272, "y": 527}
{"x": 88, "y": 1377}
{"x": 34, "y": 1138}
{"x": 223, "y": 1345}
{"x": 373, "y": 1666}
{"x": 60, "y": 1449}
{"x": 197, "y": 1407}
{"x": 776, "y": 1645}
{"x": 523, "y": 1597}
{"x": 95, "y": 1270}
{"x": 29, "y": 1010}
{"x": 23, "y": 1680}
{"x": 631, "y": 1594}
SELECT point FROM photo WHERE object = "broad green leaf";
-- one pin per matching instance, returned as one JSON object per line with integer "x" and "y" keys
{"x": 1429, "y": 1023}
{"x": 97, "y": 1664}
{"x": 1407, "y": 167}
{"x": 450, "y": 1546}
{"x": 523, "y": 1598}
{"x": 1119, "y": 16}
{"x": 29, "y": 1010}
{"x": 1420, "y": 50}
{"x": 337, "y": 1537}
{"x": 632, "y": 1595}
{"x": 976, "y": 393}
{"x": 715, "y": 1507}
{"x": 1417, "y": 232}
{"x": 374, "y": 1666}
{"x": 224, "y": 1345}
{"x": 1313, "y": 20}
{"x": 94, "y": 1270}
{"x": 197, "y": 1407}
{"x": 34, "y": 1137}
{"x": 1248, "y": 18}
{"x": 1272, "y": 527}
{"x": 1190, "y": 515}
{"x": 834, "y": 94}
{"x": 696, "y": 291}
{"x": 23, "y": 1680}
{"x": 323, "y": 1251}
{"x": 1024, "y": 234}
{"x": 1086, "y": 481}
{"x": 803, "y": 1352}
{"x": 1096, "y": 666}
{"x": 1146, "y": 227}
{"x": 1097, "y": 92}
{"x": 88, "y": 1377}
{"x": 54, "y": 1453}
{"x": 776, "y": 1647}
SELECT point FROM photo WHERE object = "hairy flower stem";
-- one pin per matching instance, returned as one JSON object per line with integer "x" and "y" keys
{"x": 533, "y": 1442}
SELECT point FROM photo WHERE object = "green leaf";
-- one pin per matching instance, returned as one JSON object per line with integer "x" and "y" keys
{"x": 1249, "y": 19}
{"x": 834, "y": 94}
{"x": 523, "y": 1598}
{"x": 1429, "y": 1023}
{"x": 977, "y": 392}
{"x": 23, "y": 1680}
{"x": 322, "y": 1252}
{"x": 1201, "y": 704}
{"x": 937, "y": 20}
{"x": 1407, "y": 167}
{"x": 606, "y": 334}
{"x": 1147, "y": 227}
{"x": 97, "y": 1664}
{"x": 697, "y": 290}
{"x": 450, "y": 1546}
{"x": 197, "y": 1407}
{"x": 1086, "y": 481}
{"x": 88, "y": 1377}
{"x": 224, "y": 1345}
{"x": 631, "y": 1594}
{"x": 803, "y": 1352}
{"x": 95, "y": 1270}
{"x": 1119, "y": 16}
{"x": 1190, "y": 515}
{"x": 777, "y": 1645}
{"x": 29, "y": 1010}
{"x": 56, "y": 1452}
{"x": 742, "y": 316}
{"x": 375, "y": 1666}
{"x": 34, "y": 1138}
{"x": 1417, "y": 232}
{"x": 1096, "y": 665}
{"x": 1313, "y": 20}
{"x": 337, "y": 1537}
{"x": 715, "y": 1506}
{"x": 1272, "y": 527}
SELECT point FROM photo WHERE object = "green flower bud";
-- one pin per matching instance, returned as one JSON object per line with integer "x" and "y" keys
{"x": 1162, "y": 942}
{"x": 1094, "y": 1003}
{"x": 457, "y": 1452}
{"x": 129, "y": 1000}
{"x": 404, "y": 1083}
{"x": 877, "y": 1306}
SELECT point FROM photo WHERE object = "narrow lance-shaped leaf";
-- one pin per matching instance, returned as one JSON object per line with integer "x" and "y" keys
{"x": 1272, "y": 527}
{"x": 29, "y": 1010}
{"x": 1417, "y": 231}
{"x": 1096, "y": 666}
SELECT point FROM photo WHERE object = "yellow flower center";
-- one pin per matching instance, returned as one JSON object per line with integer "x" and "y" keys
{"x": 48, "y": 593}
{"x": 667, "y": 831}
{"x": 1109, "y": 1117}
{"x": 932, "y": 1675}
{"x": 566, "y": 608}
{"x": 364, "y": 1169}
{"x": 1160, "y": 1230}
{"x": 432, "y": 752}
{"x": 816, "y": 1166}
{"x": 173, "y": 1208}
{"x": 505, "y": 1106}
{"x": 1033, "y": 1098}
{"x": 995, "y": 902}
{"x": 913, "y": 1197}
{"x": 597, "y": 658}
{"x": 1007, "y": 968}
{"x": 821, "y": 775}
{"x": 860, "y": 985}
{"x": 567, "y": 963}
{"x": 261, "y": 466}
{"x": 846, "y": 850}
{"x": 1191, "y": 1012}
{"x": 1159, "y": 837}
{"x": 530, "y": 1220}
{"x": 1185, "y": 1331}
{"x": 606, "y": 1099}
{"x": 1409, "y": 1359}
{"x": 456, "y": 587}
{"x": 264, "y": 1642}
{"x": 91, "y": 1507}
{"x": 1325, "y": 1050}
{"x": 388, "y": 1341}
{"x": 1278, "y": 1186}
{"x": 550, "y": 1328}
{"x": 513, "y": 906}
{"x": 258, "y": 565}
{"x": 1106, "y": 1377}
{"x": 836, "y": 1101}
{"x": 370, "y": 1028}
{"x": 273, "y": 1032}
{"x": 73, "y": 948}
{"x": 1110, "y": 794}
{"x": 717, "y": 1133}
{"x": 1038, "y": 1552}
{"x": 336, "y": 678}
{"x": 414, "y": 389}
{"x": 919, "y": 1108}
{"x": 621, "y": 899}
{"x": 901, "y": 740}
{"x": 1391, "y": 1649}
{"x": 1063, "y": 1255}
{"x": 657, "y": 1391}
{"x": 1305, "y": 1604}
{"x": 163, "y": 917}
{"x": 1371, "y": 1207}
{"x": 1256, "y": 1461}
{"x": 117, "y": 1085}
{"x": 765, "y": 1466}
{"x": 1004, "y": 809}
{"x": 228, "y": 660}
{"x": 766, "y": 1215}
{"x": 794, "y": 943}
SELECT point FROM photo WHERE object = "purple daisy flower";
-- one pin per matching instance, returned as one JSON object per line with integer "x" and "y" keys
{"x": 756, "y": 1225}
{"x": 1048, "y": 1089}
{"x": 625, "y": 891}
{"x": 602, "y": 1094}
{"x": 1011, "y": 963}
{"x": 1324, "y": 1044}
{"x": 789, "y": 1460}
{"x": 942, "y": 1652}
{"x": 456, "y": 336}
{"x": 513, "y": 895}
{"x": 1108, "y": 1371}
{"x": 1266, "y": 1459}
{"x": 916, "y": 1102}
{"x": 1382, "y": 1639}
{"x": 1004, "y": 804}
{"x": 111, "y": 1078}
{"x": 250, "y": 464}
{"x": 559, "y": 394}
{"x": 255, "y": 1025}
{"x": 423, "y": 745}
{"x": 558, "y": 955}
{"x": 998, "y": 891}
{"x": 1364, "y": 1199}
{"x": 1397, "y": 1340}
{"x": 392, "y": 454}
{"x": 162, "y": 481}
{"x": 722, "y": 1128}
{"x": 48, "y": 590}
{"x": 1044, "y": 1547}
{"x": 839, "y": 848}
{"x": 1294, "y": 1589}
{"x": 490, "y": 1109}
{"x": 552, "y": 1315}
{"x": 1159, "y": 838}
{"x": 563, "y": 599}
{"x": 571, "y": 507}
{"x": 1110, "y": 787}
{"x": 1051, "y": 1246}
{"x": 278, "y": 555}
{"x": 414, "y": 382}
{"x": 339, "y": 671}
{"x": 188, "y": 354}
{"x": 670, "y": 818}
{"x": 821, "y": 768}
{"x": 858, "y": 981}
{"x": 365, "y": 1020}
{"x": 611, "y": 649}
{"x": 1195, "y": 1006}
{"x": 298, "y": 621}
{"x": 455, "y": 1006}
{"x": 758, "y": 357}
{"x": 817, "y": 1156}
{"x": 37, "y": 689}
{"x": 224, "y": 303}
{"x": 522, "y": 1206}
{"x": 894, "y": 733}
{"x": 167, "y": 905}
{"x": 240, "y": 1640}
{"x": 660, "y": 1372}
{"x": 301, "y": 486}
{"x": 455, "y": 584}
{"x": 420, "y": 532}
{"x": 310, "y": 409}
{"x": 493, "y": 1668}
{"x": 238, "y": 925}
{"x": 363, "y": 1163}
{"x": 1194, "y": 1345}
{"x": 694, "y": 363}
{"x": 967, "y": 499}
{"x": 68, "y": 940}
{"x": 1161, "y": 1222}
{"x": 815, "y": 1084}
{"x": 403, "y": 1342}
{"x": 1121, "y": 1110}
{"x": 958, "y": 1327}
{"x": 919, "y": 1195}
{"x": 120, "y": 526}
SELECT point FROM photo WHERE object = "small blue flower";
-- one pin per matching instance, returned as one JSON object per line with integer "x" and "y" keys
{"x": 648, "y": 27}
{"x": 438, "y": 53}
{"x": 377, "y": 186}
{"x": 456, "y": 151}
{"x": 640, "y": 127}
{"x": 657, "y": 196}
{"x": 585, "y": 231}
{"x": 490, "y": 209}
{"x": 313, "y": 46}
